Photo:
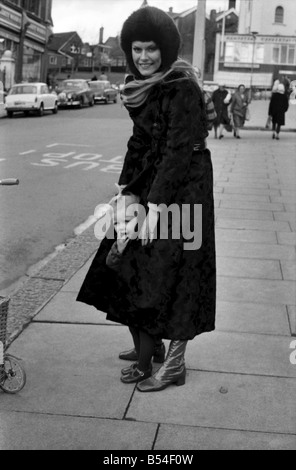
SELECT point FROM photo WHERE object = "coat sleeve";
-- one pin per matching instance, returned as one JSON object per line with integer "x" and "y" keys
{"x": 233, "y": 102}
{"x": 134, "y": 148}
{"x": 286, "y": 103}
{"x": 186, "y": 112}
{"x": 270, "y": 108}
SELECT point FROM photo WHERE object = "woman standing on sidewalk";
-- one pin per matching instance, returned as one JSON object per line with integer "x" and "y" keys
{"x": 160, "y": 289}
{"x": 278, "y": 107}
{"x": 238, "y": 109}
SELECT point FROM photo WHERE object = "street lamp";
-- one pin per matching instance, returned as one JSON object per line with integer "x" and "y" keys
{"x": 254, "y": 35}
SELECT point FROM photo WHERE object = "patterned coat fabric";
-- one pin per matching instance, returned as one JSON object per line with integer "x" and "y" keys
{"x": 238, "y": 109}
{"x": 162, "y": 288}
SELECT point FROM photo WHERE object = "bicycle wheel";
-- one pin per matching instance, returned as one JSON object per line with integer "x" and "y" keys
{"x": 12, "y": 375}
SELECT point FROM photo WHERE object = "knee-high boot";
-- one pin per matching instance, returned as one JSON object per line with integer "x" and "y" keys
{"x": 173, "y": 370}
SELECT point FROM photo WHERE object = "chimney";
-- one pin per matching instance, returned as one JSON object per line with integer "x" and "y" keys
{"x": 213, "y": 15}
{"x": 232, "y": 4}
{"x": 171, "y": 10}
{"x": 101, "y": 35}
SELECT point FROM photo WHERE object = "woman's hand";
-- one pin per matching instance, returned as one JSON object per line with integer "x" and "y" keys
{"x": 148, "y": 230}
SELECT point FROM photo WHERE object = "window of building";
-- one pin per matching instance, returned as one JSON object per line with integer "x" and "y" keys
{"x": 284, "y": 51}
{"x": 33, "y": 6}
{"x": 291, "y": 55}
{"x": 53, "y": 60}
{"x": 283, "y": 54}
{"x": 15, "y": 2}
{"x": 279, "y": 15}
{"x": 276, "y": 55}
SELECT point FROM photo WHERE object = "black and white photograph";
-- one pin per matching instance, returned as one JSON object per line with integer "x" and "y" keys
{"x": 147, "y": 228}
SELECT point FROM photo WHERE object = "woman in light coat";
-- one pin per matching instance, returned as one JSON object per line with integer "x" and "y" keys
{"x": 238, "y": 109}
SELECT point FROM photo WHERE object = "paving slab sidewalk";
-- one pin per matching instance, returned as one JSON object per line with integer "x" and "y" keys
{"x": 240, "y": 387}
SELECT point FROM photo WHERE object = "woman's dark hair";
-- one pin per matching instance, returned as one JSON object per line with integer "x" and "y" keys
{"x": 151, "y": 24}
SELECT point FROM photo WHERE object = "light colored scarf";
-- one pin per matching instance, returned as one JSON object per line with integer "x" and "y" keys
{"x": 135, "y": 93}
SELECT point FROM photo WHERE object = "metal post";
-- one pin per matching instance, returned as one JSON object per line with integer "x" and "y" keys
{"x": 199, "y": 37}
{"x": 222, "y": 38}
{"x": 254, "y": 34}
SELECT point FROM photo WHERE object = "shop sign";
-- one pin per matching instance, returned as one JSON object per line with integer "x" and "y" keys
{"x": 10, "y": 18}
{"x": 261, "y": 39}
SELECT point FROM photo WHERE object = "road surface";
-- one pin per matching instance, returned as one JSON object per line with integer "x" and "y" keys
{"x": 67, "y": 164}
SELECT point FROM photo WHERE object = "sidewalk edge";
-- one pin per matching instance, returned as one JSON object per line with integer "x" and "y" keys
{"x": 31, "y": 296}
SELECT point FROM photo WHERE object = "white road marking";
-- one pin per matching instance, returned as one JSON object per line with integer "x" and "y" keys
{"x": 52, "y": 145}
{"x": 68, "y": 145}
{"x": 86, "y": 161}
{"x": 2, "y": 159}
{"x": 27, "y": 152}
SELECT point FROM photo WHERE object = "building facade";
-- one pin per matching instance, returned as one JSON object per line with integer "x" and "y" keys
{"x": 68, "y": 55}
{"x": 25, "y": 26}
{"x": 263, "y": 49}
{"x": 214, "y": 23}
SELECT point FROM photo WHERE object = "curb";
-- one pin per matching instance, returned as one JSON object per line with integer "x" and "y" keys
{"x": 258, "y": 128}
{"x": 35, "y": 292}
{"x": 246, "y": 128}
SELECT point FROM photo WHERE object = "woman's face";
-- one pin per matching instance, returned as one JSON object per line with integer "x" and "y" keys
{"x": 242, "y": 89}
{"x": 146, "y": 57}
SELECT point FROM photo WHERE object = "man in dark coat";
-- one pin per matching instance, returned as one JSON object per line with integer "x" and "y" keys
{"x": 278, "y": 106}
{"x": 221, "y": 99}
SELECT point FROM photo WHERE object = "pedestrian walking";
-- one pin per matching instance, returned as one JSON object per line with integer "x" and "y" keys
{"x": 221, "y": 99}
{"x": 238, "y": 109}
{"x": 103, "y": 75}
{"x": 278, "y": 106}
{"x": 210, "y": 108}
{"x": 162, "y": 288}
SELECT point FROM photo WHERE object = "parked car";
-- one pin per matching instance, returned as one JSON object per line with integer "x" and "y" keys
{"x": 103, "y": 91}
{"x": 30, "y": 97}
{"x": 75, "y": 92}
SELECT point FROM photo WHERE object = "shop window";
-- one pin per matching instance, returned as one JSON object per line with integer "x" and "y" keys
{"x": 283, "y": 55}
{"x": 279, "y": 15}
{"x": 276, "y": 55}
{"x": 291, "y": 55}
{"x": 284, "y": 52}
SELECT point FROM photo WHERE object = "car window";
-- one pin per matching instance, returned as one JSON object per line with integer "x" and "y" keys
{"x": 75, "y": 85}
{"x": 23, "y": 90}
{"x": 96, "y": 86}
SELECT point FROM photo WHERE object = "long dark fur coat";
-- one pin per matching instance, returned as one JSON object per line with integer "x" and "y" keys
{"x": 162, "y": 288}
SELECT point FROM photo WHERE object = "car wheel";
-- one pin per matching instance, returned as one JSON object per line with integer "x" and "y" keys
{"x": 55, "y": 109}
{"x": 9, "y": 114}
{"x": 26, "y": 113}
{"x": 80, "y": 102}
{"x": 92, "y": 102}
{"x": 41, "y": 110}
{"x": 115, "y": 100}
